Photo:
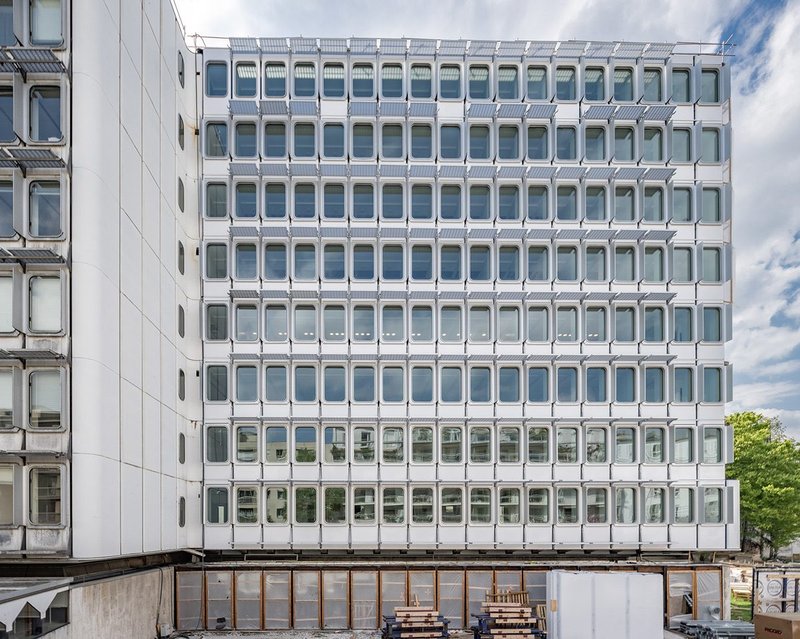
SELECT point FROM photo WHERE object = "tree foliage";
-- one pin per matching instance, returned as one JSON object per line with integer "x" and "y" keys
{"x": 767, "y": 465}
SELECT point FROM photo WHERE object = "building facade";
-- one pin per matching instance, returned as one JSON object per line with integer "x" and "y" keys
{"x": 465, "y": 295}
{"x": 399, "y": 296}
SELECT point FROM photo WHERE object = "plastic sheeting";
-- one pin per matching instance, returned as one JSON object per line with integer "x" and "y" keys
{"x": 334, "y": 601}
{"x": 364, "y": 600}
{"x": 248, "y": 600}
{"x": 276, "y": 600}
{"x": 451, "y": 597}
{"x": 306, "y": 599}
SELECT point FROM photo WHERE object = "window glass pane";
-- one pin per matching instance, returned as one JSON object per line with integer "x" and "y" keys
{"x": 710, "y": 150}
{"x": 623, "y": 144}
{"x": 275, "y": 323}
{"x": 45, "y": 399}
{"x": 46, "y": 22}
{"x": 537, "y": 83}
{"x": 654, "y": 446}
{"x": 684, "y": 380}
{"x": 565, "y": 83}
{"x": 450, "y": 263}
{"x": 246, "y": 75}
{"x": 712, "y": 321}
{"x": 711, "y": 265}
{"x": 683, "y": 325}
{"x": 451, "y": 444}
{"x": 392, "y": 140}
{"x": 450, "y": 82}
{"x": 305, "y": 323}
{"x": 394, "y": 511}
{"x": 247, "y": 444}
{"x": 363, "y": 202}
{"x": 596, "y": 385}
{"x": 277, "y": 446}
{"x": 654, "y": 385}
{"x": 624, "y": 264}
{"x": 626, "y": 385}
{"x": 246, "y": 261}
{"x": 624, "y": 324}
{"x": 335, "y": 505}
{"x": 711, "y": 205}
{"x": 216, "y": 139}
{"x": 681, "y": 145}
{"x": 333, "y": 262}
{"x": 681, "y": 85}
{"x": 479, "y": 142}
{"x": 653, "y": 145}
{"x": 567, "y": 385}
{"x": 709, "y": 91}
{"x": 509, "y": 506}
{"x": 275, "y": 201}
{"x": 392, "y": 324}
{"x": 480, "y": 324}
{"x": 538, "y": 264}
{"x": 363, "y": 323}
{"x": 246, "y": 205}
{"x": 566, "y": 324}
{"x": 596, "y": 506}
{"x": 508, "y": 143}
{"x": 712, "y": 385}
{"x": 364, "y": 384}
{"x": 480, "y": 263}
{"x": 304, "y": 142}
{"x": 567, "y": 505}
{"x": 480, "y": 385}
{"x": 305, "y": 262}
{"x": 682, "y": 264}
{"x": 6, "y": 477}
{"x": 596, "y": 264}
{"x": 478, "y": 83}
{"x": 6, "y": 208}
{"x": 508, "y": 324}
{"x": 537, "y": 143}
{"x": 217, "y": 444}
{"x": 712, "y": 505}
{"x": 451, "y": 384}
{"x": 421, "y": 323}
{"x": 305, "y": 79}
{"x": 623, "y": 85}
{"x": 363, "y": 262}
{"x": 508, "y": 203}
{"x": 538, "y": 445}
{"x": 393, "y": 384}
{"x": 594, "y": 84}
{"x": 333, "y": 141}
{"x": 595, "y": 143}
{"x": 364, "y": 504}
{"x": 275, "y": 79}
{"x": 507, "y": 83}
{"x": 247, "y": 505}
{"x": 362, "y": 141}
{"x": 217, "y": 383}
{"x": 653, "y": 265}
{"x": 6, "y": 95}
{"x": 684, "y": 505}
{"x": 626, "y": 505}
{"x": 392, "y": 202}
{"x": 567, "y": 263}
{"x": 509, "y": 445}
{"x": 684, "y": 446}
{"x": 566, "y": 143}
{"x": 567, "y": 203}
{"x": 277, "y": 505}
{"x": 246, "y": 323}
{"x": 623, "y": 204}
{"x": 44, "y": 304}
{"x": 538, "y": 506}
{"x": 480, "y": 445}
{"x": 653, "y": 324}
{"x": 421, "y": 142}
{"x": 625, "y": 452}
{"x": 422, "y": 505}
{"x": 451, "y": 506}
{"x": 364, "y": 443}
{"x": 363, "y": 81}
{"x": 508, "y": 263}
{"x": 450, "y": 142}
{"x": 450, "y": 208}
{"x": 334, "y": 382}
{"x": 245, "y": 140}
{"x": 393, "y": 268}
{"x": 305, "y": 444}
{"x": 305, "y": 505}
{"x": 217, "y": 505}
{"x": 422, "y": 445}
{"x": 596, "y": 446}
{"x": 393, "y": 445}
{"x": 45, "y": 209}
{"x": 333, "y": 80}
{"x": 246, "y": 384}
{"x": 305, "y": 384}
{"x": 392, "y": 81}
{"x": 712, "y": 445}
{"x": 480, "y": 505}
{"x": 275, "y": 140}
{"x": 421, "y": 81}
{"x": 216, "y": 79}
{"x": 508, "y": 384}
{"x": 538, "y": 385}
{"x": 450, "y": 324}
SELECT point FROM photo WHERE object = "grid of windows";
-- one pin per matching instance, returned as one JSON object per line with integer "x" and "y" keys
{"x": 420, "y": 231}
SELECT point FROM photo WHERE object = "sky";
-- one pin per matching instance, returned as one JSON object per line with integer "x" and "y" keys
{"x": 765, "y": 351}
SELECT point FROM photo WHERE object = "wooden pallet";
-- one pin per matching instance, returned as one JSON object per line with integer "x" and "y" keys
{"x": 416, "y": 622}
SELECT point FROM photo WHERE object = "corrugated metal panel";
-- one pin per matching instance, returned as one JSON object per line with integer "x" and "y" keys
{"x": 393, "y": 109}
{"x": 333, "y": 170}
{"x": 363, "y": 232}
{"x": 303, "y": 170}
{"x": 541, "y": 172}
{"x": 629, "y": 50}
{"x": 600, "y": 234}
{"x": 452, "y": 234}
{"x": 422, "y": 233}
{"x": 541, "y": 234}
{"x": 452, "y": 47}
{"x": 570, "y": 234}
{"x": 541, "y": 111}
{"x": 511, "y": 49}
{"x": 661, "y": 175}
{"x": 274, "y": 107}
{"x": 274, "y": 231}
{"x": 304, "y": 231}
{"x": 393, "y": 170}
{"x": 364, "y": 109}
{"x": 274, "y": 45}
{"x": 422, "y": 47}
{"x": 243, "y": 231}
{"x": 422, "y": 171}
{"x": 600, "y": 50}
{"x": 599, "y": 112}
{"x": 393, "y": 46}
{"x": 422, "y": 110}
{"x": 482, "y": 172}
{"x": 660, "y": 236}
{"x": 481, "y": 110}
{"x": 457, "y": 171}
{"x": 630, "y": 235}
{"x": 333, "y": 46}
{"x": 240, "y": 168}
{"x": 658, "y": 51}
{"x": 363, "y": 46}
{"x": 629, "y": 174}
{"x": 659, "y": 113}
{"x": 304, "y": 46}
{"x": 278, "y": 295}
{"x": 511, "y": 111}
{"x": 364, "y": 170}
{"x": 570, "y": 49}
{"x": 333, "y": 231}
{"x": 484, "y": 48}
{"x": 511, "y": 172}
{"x": 512, "y": 234}
{"x": 541, "y": 49}
{"x": 481, "y": 234}
{"x": 274, "y": 170}
{"x": 243, "y": 107}
{"x": 631, "y": 112}
{"x": 303, "y": 107}
{"x": 571, "y": 173}
{"x": 600, "y": 173}
{"x": 243, "y": 45}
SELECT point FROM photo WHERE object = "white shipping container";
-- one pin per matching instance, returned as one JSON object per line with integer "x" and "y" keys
{"x": 594, "y": 605}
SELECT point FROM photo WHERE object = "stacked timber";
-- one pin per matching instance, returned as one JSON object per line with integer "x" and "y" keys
{"x": 508, "y": 616}
{"x": 415, "y": 622}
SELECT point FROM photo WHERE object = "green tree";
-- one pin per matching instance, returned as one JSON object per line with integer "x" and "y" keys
{"x": 767, "y": 465}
